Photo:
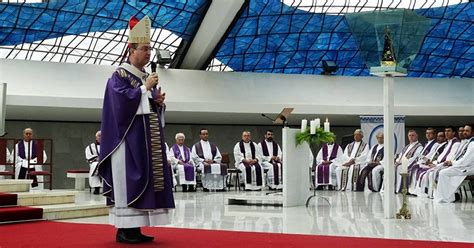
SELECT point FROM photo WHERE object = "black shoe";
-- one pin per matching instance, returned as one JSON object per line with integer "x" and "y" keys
{"x": 185, "y": 188}
{"x": 221, "y": 190}
{"x": 142, "y": 237}
{"x": 127, "y": 236}
{"x": 457, "y": 197}
{"x": 205, "y": 190}
{"x": 191, "y": 188}
{"x": 411, "y": 194}
{"x": 96, "y": 190}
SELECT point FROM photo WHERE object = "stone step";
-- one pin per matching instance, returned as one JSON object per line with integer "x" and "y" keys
{"x": 35, "y": 198}
{"x": 15, "y": 185}
{"x": 73, "y": 210}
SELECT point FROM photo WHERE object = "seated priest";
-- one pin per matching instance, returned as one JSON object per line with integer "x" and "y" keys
{"x": 411, "y": 152}
{"x": 92, "y": 155}
{"x": 324, "y": 167}
{"x": 426, "y": 163}
{"x": 207, "y": 158}
{"x": 355, "y": 154}
{"x": 30, "y": 156}
{"x": 247, "y": 158}
{"x": 461, "y": 166}
{"x": 271, "y": 161}
{"x": 448, "y": 154}
{"x": 184, "y": 165}
{"x": 374, "y": 160}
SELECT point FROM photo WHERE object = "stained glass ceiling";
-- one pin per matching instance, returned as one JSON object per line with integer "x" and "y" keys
{"x": 92, "y": 31}
{"x": 296, "y": 36}
{"x": 276, "y": 36}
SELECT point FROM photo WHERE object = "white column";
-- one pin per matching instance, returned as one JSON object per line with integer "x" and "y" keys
{"x": 295, "y": 170}
{"x": 389, "y": 143}
{"x": 3, "y": 100}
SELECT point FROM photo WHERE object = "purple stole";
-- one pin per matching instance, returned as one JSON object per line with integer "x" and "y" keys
{"x": 455, "y": 140}
{"x": 411, "y": 167}
{"x": 428, "y": 147}
{"x": 188, "y": 169}
{"x": 94, "y": 158}
{"x": 276, "y": 172}
{"x": 324, "y": 169}
{"x": 21, "y": 150}
{"x": 367, "y": 171}
{"x": 248, "y": 168}
{"x": 200, "y": 153}
{"x": 461, "y": 154}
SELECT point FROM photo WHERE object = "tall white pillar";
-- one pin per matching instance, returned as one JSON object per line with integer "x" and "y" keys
{"x": 389, "y": 143}
{"x": 3, "y": 104}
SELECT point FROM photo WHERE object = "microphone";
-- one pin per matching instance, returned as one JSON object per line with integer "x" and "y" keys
{"x": 268, "y": 117}
{"x": 153, "y": 66}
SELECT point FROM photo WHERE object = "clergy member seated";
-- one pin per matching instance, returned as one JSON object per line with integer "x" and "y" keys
{"x": 29, "y": 158}
{"x": 207, "y": 158}
{"x": 348, "y": 168}
{"x": 325, "y": 166}
{"x": 460, "y": 167}
{"x": 92, "y": 155}
{"x": 247, "y": 158}
{"x": 374, "y": 159}
{"x": 411, "y": 152}
{"x": 271, "y": 161}
{"x": 426, "y": 163}
{"x": 448, "y": 154}
{"x": 181, "y": 161}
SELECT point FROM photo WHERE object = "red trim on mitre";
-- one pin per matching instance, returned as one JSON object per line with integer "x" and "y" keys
{"x": 133, "y": 21}
{"x": 131, "y": 24}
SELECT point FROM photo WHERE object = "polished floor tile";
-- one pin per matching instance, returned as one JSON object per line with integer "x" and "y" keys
{"x": 356, "y": 214}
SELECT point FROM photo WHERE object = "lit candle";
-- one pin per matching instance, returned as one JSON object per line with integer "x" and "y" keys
{"x": 304, "y": 124}
{"x": 312, "y": 127}
{"x": 326, "y": 125}
{"x": 318, "y": 123}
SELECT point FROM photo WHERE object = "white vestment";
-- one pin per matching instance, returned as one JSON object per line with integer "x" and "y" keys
{"x": 180, "y": 167}
{"x": 421, "y": 187}
{"x": 92, "y": 152}
{"x": 29, "y": 162}
{"x": 376, "y": 171}
{"x": 239, "y": 157}
{"x": 214, "y": 180}
{"x": 447, "y": 155}
{"x": 411, "y": 159}
{"x": 346, "y": 183}
{"x": 267, "y": 165}
{"x": 450, "y": 178}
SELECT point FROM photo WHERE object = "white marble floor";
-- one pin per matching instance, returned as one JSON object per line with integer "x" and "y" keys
{"x": 356, "y": 214}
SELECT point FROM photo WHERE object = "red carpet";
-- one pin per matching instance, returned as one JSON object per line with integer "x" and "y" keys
{"x": 57, "y": 234}
{"x": 17, "y": 213}
{"x": 8, "y": 199}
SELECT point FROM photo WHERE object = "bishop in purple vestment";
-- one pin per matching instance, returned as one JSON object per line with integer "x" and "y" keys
{"x": 136, "y": 178}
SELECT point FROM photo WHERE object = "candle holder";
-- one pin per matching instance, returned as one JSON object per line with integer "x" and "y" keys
{"x": 404, "y": 211}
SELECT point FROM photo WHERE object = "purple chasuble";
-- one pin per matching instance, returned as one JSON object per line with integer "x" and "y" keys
{"x": 120, "y": 123}
{"x": 188, "y": 168}
{"x": 248, "y": 167}
{"x": 324, "y": 172}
